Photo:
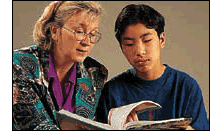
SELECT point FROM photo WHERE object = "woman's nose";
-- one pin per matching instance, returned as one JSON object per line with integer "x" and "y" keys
{"x": 86, "y": 41}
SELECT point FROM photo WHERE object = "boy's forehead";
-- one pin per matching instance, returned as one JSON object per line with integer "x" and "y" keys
{"x": 139, "y": 28}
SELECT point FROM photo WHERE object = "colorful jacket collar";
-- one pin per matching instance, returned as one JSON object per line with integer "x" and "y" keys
{"x": 91, "y": 76}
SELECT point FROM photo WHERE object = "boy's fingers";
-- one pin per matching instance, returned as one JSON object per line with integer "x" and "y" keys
{"x": 134, "y": 116}
{"x": 129, "y": 119}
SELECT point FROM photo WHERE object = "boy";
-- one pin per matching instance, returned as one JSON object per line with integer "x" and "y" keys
{"x": 139, "y": 30}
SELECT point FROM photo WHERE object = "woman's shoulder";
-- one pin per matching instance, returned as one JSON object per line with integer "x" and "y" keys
{"x": 91, "y": 64}
{"x": 123, "y": 77}
{"x": 26, "y": 50}
{"x": 27, "y": 59}
{"x": 26, "y": 54}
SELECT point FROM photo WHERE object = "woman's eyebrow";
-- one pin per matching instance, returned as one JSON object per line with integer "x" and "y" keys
{"x": 84, "y": 26}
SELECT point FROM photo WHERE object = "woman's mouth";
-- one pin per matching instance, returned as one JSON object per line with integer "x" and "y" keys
{"x": 81, "y": 50}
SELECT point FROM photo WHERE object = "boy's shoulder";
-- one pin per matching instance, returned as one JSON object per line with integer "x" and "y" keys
{"x": 180, "y": 74}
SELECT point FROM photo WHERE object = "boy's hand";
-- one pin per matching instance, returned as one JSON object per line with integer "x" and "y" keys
{"x": 132, "y": 117}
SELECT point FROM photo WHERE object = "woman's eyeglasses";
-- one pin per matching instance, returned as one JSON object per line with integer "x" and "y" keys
{"x": 81, "y": 35}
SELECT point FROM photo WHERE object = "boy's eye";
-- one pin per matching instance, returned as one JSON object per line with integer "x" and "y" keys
{"x": 128, "y": 44}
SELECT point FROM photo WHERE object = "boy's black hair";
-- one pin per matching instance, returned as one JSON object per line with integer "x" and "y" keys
{"x": 133, "y": 14}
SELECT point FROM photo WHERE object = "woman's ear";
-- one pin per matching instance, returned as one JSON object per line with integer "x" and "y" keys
{"x": 53, "y": 30}
{"x": 162, "y": 39}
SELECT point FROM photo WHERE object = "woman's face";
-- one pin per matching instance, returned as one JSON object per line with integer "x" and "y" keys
{"x": 71, "y": 48}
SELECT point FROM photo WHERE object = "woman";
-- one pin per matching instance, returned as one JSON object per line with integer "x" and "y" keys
{"x": 57, "y": 73}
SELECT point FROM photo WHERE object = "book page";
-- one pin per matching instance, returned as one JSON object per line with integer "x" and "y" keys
{"x": 118, "y": 116}
{"x": 71, "y": 121}
{"x": 169, "y": 124}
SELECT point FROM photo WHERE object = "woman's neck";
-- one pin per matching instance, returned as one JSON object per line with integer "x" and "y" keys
{"x": 62, "y": 64}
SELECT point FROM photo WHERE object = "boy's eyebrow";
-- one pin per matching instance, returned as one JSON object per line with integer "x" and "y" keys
{"x": 143, "y": 35}
{"x": 127, "y": 38}
{"x": 146, "y": 34}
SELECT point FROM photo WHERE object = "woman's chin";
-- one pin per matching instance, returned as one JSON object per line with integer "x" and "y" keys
{"x": 80, "y": 59}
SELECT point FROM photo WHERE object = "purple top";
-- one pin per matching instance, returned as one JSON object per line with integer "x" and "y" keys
{"x": 63, "y": 93}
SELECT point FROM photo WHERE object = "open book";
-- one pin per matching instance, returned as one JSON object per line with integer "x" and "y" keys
{"x": 117, "y": 118}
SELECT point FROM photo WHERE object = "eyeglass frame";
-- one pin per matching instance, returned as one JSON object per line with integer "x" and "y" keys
{"x": 84, "y": 35}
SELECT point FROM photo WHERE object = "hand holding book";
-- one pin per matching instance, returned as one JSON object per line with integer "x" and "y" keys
{"x": 118, "y": 119}
{"x": 132, "y": 121}
{"x": 133, "y": 114}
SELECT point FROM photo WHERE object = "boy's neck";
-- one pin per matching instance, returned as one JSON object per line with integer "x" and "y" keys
{"x": 151, "y": 75}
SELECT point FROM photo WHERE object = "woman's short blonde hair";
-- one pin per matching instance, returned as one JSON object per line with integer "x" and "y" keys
{"x": 57, "y": 13}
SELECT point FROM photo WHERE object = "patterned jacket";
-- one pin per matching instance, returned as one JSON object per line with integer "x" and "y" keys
{"x": 34, "y": 105}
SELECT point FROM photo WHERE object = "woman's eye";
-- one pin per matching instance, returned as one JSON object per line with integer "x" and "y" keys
{"x": 79, "y": 31}
{"x": 94, "y": 33}
{"x": 147, "y": 40}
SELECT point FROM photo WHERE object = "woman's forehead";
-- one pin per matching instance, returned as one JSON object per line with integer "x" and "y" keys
{"x": 82, "y": 19}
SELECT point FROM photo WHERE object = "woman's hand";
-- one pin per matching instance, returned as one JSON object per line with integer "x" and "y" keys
{"x": 15, "y": 94}
{"x": 189, "y": 128}
{"x": 185, "y": 127}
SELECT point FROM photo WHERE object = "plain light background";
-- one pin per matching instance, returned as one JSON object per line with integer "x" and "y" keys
{"x": 187, "y": 35}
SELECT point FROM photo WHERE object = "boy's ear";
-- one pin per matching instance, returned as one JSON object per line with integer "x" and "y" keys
{"x": 122, "y": 48}
{"x": 162, "y": 39}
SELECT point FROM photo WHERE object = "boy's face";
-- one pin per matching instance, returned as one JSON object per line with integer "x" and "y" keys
{"x": 142, "y": 46}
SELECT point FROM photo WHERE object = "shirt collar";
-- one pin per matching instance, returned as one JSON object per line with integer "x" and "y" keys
{"x": 71, "y": 75}
{"x": 51, "y": 71}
